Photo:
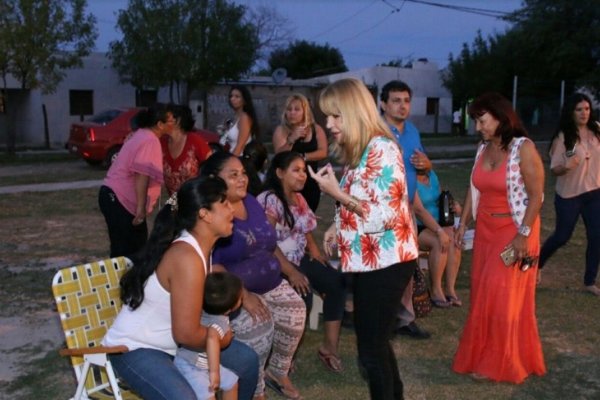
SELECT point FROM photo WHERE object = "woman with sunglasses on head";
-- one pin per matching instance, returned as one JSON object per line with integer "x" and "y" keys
{"x": 500, "y": 340}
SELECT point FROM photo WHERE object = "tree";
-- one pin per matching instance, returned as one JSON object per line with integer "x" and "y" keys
{"x": 274, "y": 30}
{"x": 399, "y": 62}
{"x": 183, "y": 44}
{"x": 563, "y": 40}
{"x": 306, "y": 60}
{"x": 39, "y": 40}
{"x": 551, "y": 41}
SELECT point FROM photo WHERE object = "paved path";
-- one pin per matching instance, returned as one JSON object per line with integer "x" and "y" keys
{"x": 54, "y": 186}
{"x": 50, "y": 187}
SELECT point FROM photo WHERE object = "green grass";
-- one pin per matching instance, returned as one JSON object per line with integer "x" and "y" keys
{"x": 45, "y": 231}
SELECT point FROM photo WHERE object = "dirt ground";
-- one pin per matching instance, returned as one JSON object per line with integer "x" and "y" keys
{"x": 32, "y": 248}
{"x": 41, "y": 232}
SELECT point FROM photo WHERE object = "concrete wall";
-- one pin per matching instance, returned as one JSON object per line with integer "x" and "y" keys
{"x": 98, "y": 76}
{"x": 268, "y": 98}
{"x": 424, "y": 79}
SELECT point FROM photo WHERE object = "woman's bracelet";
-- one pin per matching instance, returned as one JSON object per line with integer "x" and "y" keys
{"x": 352, "y": 204}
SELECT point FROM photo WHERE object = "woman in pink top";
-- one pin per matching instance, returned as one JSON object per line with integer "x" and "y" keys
{"x": 575, "y": 160}
{"x": 132, "y": 184}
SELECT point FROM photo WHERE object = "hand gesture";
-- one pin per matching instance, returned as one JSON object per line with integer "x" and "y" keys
{"x": 444, "y": 239}
{"x": 420, "y": 160}
{"x": 326, "y": 179}
{"x": 329, "y": 241}
{"x": 572, "y": 162}
{"x": 459, "y": 234}
{"x": 253, "y": 304}
{"x": 299, "y": 282}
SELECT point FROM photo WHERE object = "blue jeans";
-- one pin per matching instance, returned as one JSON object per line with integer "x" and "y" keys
{"x": 377, "y": 296}
{"x": 199, "y": 378}
{"x": 153, "y": 375}
{"x": 567, "y": 213}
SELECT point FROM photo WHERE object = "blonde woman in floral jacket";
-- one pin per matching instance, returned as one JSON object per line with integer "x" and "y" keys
{"x": 373, "y": 227}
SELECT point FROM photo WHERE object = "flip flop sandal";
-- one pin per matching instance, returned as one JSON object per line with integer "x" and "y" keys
{"x": 441, "y": 303}
{"x": 455, "y": 301}
{"x": 280, "y": 389}
{"x": 331, "y": 362}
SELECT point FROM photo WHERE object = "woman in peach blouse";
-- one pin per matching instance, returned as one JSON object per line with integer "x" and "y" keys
{"x": 575, "y": 160}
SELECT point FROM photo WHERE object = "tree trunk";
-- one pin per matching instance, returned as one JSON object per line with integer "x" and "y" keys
{"x": 46, "y": 132}
{"x": 11, "y": 136}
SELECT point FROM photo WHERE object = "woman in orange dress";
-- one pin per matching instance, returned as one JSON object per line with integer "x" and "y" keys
{"x": 500, "y": 340}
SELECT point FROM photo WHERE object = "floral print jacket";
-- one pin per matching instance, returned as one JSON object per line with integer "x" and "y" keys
{"x": 385, "y": 234}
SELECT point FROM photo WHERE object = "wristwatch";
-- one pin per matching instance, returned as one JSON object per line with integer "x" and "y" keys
{"x": 524, "y": 230}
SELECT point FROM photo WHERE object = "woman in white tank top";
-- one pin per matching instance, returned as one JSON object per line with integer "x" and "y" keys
{"x": 244, "y": 128}
{"x": 163, "y": 294}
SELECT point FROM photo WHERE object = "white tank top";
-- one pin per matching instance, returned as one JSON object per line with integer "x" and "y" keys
{"x": 149, "y": 326}
{"x": 231, "y": 136}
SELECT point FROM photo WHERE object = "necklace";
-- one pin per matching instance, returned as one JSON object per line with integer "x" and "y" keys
{"x": 494, "y": 158}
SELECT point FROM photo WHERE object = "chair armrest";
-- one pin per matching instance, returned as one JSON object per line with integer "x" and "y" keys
{"x": 93, "y": 350}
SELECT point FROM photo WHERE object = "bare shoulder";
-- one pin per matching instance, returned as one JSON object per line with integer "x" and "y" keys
{"x": 180, "y": 260}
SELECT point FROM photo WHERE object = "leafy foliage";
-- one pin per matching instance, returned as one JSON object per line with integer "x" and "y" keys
{"x": 194, "y": 42}
{"x": 550, "y": 41}
{"x": 42, "y": 38}
{"x": 39, "y": 40}
{"x": 306, "y": 60}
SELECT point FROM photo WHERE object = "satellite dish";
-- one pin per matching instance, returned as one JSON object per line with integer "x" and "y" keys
{"x": 279, "y": 75}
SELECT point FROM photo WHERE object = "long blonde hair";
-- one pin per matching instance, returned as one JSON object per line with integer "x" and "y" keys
{"x": 309, "y": 119}
{"x": 350, "y": 99}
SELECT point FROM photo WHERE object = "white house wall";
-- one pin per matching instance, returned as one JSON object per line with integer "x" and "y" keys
{"x": 424, "y": 79}
{"x": 98, "y": 75}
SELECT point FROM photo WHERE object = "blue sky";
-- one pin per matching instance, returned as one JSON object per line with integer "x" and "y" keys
{"x": 367, "y": 32}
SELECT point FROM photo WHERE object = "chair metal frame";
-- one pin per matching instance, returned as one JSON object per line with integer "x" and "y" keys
{"x": 88, "y": 300}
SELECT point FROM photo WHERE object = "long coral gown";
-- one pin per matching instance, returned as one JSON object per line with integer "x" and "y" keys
{"x": 500, "y": 340}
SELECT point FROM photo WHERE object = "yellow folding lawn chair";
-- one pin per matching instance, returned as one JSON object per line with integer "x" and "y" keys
{"x": 87, "y": 299}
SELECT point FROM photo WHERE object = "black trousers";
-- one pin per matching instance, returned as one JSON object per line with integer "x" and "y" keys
{"x": 125, "y": 238}
{"x": 377, "y": 297}
{"x": 329, "y": 283}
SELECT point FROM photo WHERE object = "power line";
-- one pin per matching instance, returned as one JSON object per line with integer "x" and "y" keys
{"x": 472, "y": 10}
{"x": 397, "y": 9}
{"x": 343, "y": 21}
{"x": 368, "y": 29}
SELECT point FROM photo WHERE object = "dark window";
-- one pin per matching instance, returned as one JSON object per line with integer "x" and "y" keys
{"x": 81, "y": 102}
{"x": 145, "y": 98}
{"x": 433, "y": 104}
